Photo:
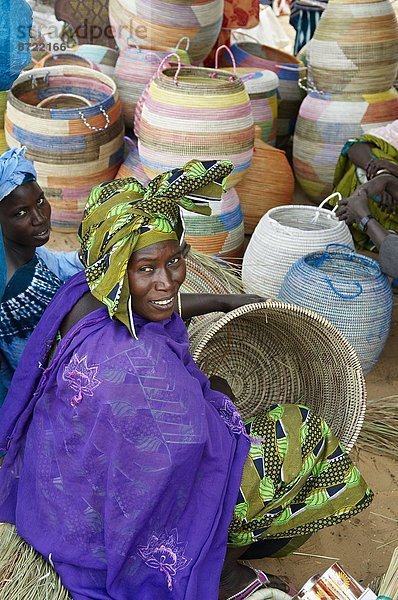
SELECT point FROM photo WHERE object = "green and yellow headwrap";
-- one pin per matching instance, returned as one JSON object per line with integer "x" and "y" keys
{"x": 122, "y": 216}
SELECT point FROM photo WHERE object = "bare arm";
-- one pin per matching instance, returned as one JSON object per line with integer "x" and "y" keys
{"x": 360, "y": 154}
{"x": 193, "y": 305}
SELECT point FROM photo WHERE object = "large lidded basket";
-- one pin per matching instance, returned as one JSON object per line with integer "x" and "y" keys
{"x": 355, "y": 47}
{"x": 351, "y": 292}
{"x": 161, "y": 23}
{"x": 271, "y": 352}
{"x": 70, "y": 120}
{"x": 195, "y": 113}
{"x": 324, "y": 125}
{"x": 285, "y": 234}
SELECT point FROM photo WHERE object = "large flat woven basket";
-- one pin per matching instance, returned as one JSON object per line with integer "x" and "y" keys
{"x": 275, "y": 352}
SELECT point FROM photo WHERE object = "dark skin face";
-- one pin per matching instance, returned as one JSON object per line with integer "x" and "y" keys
{"x": 155, "y": 274}
{"x": 25, "y": 222}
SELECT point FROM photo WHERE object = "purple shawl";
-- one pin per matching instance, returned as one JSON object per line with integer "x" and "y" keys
{"x": 123, "y": 465}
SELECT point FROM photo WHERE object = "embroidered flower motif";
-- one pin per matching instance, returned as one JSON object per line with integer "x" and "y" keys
{"x": 81, "y": 378}
{"x": 231, "y": 416}
{"x": 166, "y": 554}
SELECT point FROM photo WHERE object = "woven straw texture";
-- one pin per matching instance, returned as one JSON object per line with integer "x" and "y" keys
{"x": 257, "y": 57}
{"x": 222, "y": 233}
{"x": 274, "y": 352}
{"x": 355, "y": 47}
{"x": 284, "y": 235}
{"x": 73, "y": 149}
{"x": 262, "y": 87}
{"x": 131, "y": 166}
{"x": 88, "y": 18}
{"x": 161, "y": 23}
{"x": 351, "y": 292}
{"x": 134, "y": 70}
{"x": 205, "y": 115}
{"x": 105, "y": 58}
{"x": 324, "y": 125}
{"x": 3, "y": 102}
{"x": 269, "y": 182}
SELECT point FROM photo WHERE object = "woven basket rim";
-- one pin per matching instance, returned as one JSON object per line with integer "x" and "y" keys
{"x": 298, "y": 311}
{"x": 291, "y": 60}
{"x": 340, "y": 254}
{"x": 64, "y": 70}
{"x": 311, "y": 210}
{"x": 169, "y": 73}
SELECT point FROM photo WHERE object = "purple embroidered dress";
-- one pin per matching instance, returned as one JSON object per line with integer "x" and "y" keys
{"x": 123, "y": 465}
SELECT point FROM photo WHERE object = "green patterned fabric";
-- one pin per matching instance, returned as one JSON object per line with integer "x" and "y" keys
{"x": 297, "y": 481}
{"x": 122, "y": 216}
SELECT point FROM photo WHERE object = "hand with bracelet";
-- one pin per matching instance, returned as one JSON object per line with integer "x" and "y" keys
{"x": 378, "y": 166}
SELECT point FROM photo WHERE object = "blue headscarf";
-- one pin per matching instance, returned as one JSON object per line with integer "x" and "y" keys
{"x": 15, "y": 170}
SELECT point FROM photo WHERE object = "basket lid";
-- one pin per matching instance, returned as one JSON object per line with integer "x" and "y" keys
{"x": 271, "y": 352}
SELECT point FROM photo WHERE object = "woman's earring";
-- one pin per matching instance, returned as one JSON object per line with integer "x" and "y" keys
{"x": 179, "y": 303}
{"x": 131, "y": 319}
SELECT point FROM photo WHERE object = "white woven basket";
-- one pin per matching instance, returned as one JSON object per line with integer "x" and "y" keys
{"x": 285, "y": 234}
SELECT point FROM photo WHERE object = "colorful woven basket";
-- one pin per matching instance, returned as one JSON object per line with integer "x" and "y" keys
{"x": 131, "y": 166}
{"x": 159, "y": 24}
{"x": 351, "y": 292}
{"x": 105, "y": 58}
{"x": 284, "y": 235}
{"x": 273, "y": 352}
{"x": 135, "y": 68}
{"x": 193, "y": 112}
{"x": 221, "y": 234}
{"x": 262, "y": 87}
{"x": 324, "y": 125}
{"x": 355, "y": 47}
{"x": 287, "y": 67}
{"x": 269, "y": 182}
{"x": 3, "y": 102}
{"x": 73, "y": 149}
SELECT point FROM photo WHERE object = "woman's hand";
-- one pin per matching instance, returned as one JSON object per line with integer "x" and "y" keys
{"x": 381, "y": 164}
{"x": 232, "y": 301}
{"x": 353, "y": 209}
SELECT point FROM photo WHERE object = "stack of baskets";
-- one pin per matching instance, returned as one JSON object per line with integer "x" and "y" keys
{"x": 3, "y": 102}
{"x": 71, "y": 122}
{"x": 135, "y": 68}
{"x": 161, "y": 23}
{"x": 286, "y": 67}
{"x": 284, "y": 235}
{"x": 352, "y": 66}
{"x": 351, "y": 292}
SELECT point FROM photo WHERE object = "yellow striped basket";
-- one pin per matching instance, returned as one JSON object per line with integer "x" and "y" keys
{"x": 355, "y": 47}
{"x": 73, "y": 148}
{"x": 193, "y": 112}
{"x": 3, "y": 102}
{"x": 159, "y": 24}
{"x": 324, "y": 124}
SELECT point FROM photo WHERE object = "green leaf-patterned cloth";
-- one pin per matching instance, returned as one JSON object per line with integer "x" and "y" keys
{"x": 123, "y": 216}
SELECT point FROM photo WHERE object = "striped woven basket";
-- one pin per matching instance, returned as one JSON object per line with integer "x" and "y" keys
{"x": 269, "y": 182}
{"x": 3, "y": 102}
{"x": 135, "y": 68}
{"x": 284, "y": 235}
{"x": 195, "y": 113}
{"x": 272, "y": 352}
{"x": 262, "y": 87}
{"x": 355, "y": 47}
{"x": 287, "y": 67}
{"x": 73, "y": 149}
{"x": 105, "y": 58}
{"x": 324, "y": 125}
{"x": 65, "y": 58}
{"x": 131, "y": 166}
{"x": 351, "y": 292}
{"x": 161, "y": 23}
{"x": 221, "y": 234}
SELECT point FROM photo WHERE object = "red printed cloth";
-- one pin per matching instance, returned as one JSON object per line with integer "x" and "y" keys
{"x": 241, "y": 13}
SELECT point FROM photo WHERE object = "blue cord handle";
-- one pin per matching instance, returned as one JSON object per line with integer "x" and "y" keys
{"x": 344, "y": 295}
{"x": 345, "y": 246}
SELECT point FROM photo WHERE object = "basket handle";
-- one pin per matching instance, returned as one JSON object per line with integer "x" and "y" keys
{"x": 151, "y": 55}
{"x": 159, "y": 71}
{"x": 43, "y": 103}
{"x": 345, "y": 295}
{"x": 232, "y": 57}
{"x": 132, "y": 42}
{"x": 247, "y": 76}
{"x": 332, "y": 212}
{"x": 345, "y": 247}
{"x": 91, "y": 127}
{"x": 187, "y": 41}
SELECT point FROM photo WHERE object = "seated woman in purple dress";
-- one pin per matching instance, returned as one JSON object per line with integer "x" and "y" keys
{"x": 124, "y": 468}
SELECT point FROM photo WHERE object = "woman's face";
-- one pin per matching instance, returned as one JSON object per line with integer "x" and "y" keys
{"x": 155, "y": 275}
{"x": 25, "y": 216}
